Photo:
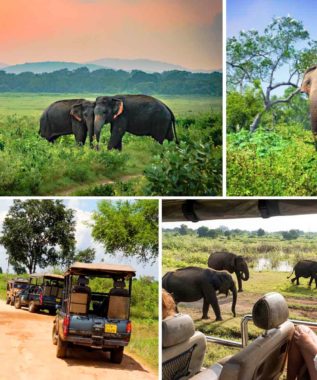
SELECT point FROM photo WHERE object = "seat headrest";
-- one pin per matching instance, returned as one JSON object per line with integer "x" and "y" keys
{"x": 270, "y": 311}
{"x": 177, "y": 329}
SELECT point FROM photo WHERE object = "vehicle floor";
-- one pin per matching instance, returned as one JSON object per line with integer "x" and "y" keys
{"x": 27, "y": 352}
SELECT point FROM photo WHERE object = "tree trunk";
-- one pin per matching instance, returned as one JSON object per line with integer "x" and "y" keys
{"x": 256, "y": 122}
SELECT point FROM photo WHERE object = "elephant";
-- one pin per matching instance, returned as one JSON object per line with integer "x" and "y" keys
{"x": 232, "y": 263}
{"x": 65, "y": 117}
{"x": 309, "y": 87}
{"x": 140, "y": 115}
{"x": 190, "y": 284}
{"x": 305, "y": 268}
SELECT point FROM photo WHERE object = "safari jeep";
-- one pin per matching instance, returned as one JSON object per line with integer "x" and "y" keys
{"x": 44, "y": 292}
{"x": 95, "y": 315}
{"x": 14, "y": 287}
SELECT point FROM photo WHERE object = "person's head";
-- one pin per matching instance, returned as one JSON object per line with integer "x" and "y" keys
{"x": 82, "y": 280}
{"x": 119, "y": 283}
{"x": 168, "y": 305}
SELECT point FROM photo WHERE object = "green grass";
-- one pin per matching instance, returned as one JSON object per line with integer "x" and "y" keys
{"x": 29, "y": 165}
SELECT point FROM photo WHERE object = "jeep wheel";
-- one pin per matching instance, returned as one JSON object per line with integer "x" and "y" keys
{"x": 12, "y": 301}
{"x": 116, "y": 355}
{"x": 17, "y": 303}
{"x": 8, "y": 301}
{"x": 54, "y": 335}
{"x": 32, "y": 307}
{"x": 61, "y": 348}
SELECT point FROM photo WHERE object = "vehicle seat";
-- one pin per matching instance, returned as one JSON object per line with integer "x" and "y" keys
{"x": 80, "y": 299}
{"x": 183, "y": 348}
{"x": 265, "y": 357}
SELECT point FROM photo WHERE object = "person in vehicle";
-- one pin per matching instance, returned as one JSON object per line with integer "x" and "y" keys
{"x": 303, "y": 351}
{"x": 119, "y": 288}
{"x": 168, "y": 305}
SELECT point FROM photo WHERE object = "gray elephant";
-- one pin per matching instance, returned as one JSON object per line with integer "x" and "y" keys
{"x": 232, "y": 263}
{"x": 65, "y": 117}
{"x": 140, "y": 115}
{"x": 309, "y": 87}
{"x": 305, "y": 268}
{"x": 192, "y": 283}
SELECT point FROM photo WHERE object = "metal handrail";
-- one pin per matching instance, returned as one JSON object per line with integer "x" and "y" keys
{"x": 245, "y": 332}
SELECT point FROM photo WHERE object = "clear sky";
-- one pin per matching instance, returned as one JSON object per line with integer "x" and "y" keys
{"x": 257, "y": 14}
{"x": 307, "y": 223}
{"x": 84, "y": 209}
{"x": 184, "y": 32}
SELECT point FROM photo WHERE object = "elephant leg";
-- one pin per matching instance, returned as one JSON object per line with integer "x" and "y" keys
{"x": 210, "y": 298}
{"x": 205, "y": 309}
{"x": 118, "y": 130}
{"x": 297, "y": 281}
{"x": 239, "y": 282}
{"x": 293, "y": 279}
{"x": 310, "y": 281}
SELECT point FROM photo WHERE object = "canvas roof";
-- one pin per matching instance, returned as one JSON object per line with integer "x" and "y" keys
{"x": 48, "y": 275}
{"x": 100, "y": 268}
{"x": 194, "y": 210}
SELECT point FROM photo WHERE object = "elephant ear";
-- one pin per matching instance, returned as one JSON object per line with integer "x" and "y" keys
{"x": 117, "y": 107}
{"x": 76, "y": 111}
{"x": 312, "y": 68}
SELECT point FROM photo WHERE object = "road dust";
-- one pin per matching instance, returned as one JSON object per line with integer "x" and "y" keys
{"x": 27, "y": 353}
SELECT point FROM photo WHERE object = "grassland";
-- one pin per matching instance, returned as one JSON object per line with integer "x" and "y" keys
{"x": 31, "y": 166}
{"x": 190, "y": 250}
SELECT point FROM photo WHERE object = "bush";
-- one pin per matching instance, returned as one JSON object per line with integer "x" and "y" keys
{"x": 192, "y": 168}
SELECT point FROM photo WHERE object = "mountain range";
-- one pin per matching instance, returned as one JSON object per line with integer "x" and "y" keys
{"x": 146, "y": 65}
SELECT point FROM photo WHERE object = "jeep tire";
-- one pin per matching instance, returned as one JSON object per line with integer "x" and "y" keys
{"x": 116, "y": 355}
{"x": 8, "y": 301}
{"x": 54, "y": 335}
{"x": 17, "y": 303}
{"x": 61, "y": 348}
{"x": 12, "y": 301}
{"x": 32, "y": 307}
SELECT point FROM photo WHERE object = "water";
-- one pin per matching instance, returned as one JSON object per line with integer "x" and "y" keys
{"x": 266, "y": 264}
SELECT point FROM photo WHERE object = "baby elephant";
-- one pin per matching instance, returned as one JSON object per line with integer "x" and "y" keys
{"x": 305, "y": 268}
{"x": 192, "y": 284}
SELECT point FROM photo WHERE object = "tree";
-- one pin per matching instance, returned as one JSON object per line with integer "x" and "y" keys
{"x": 260, "y": 232}
{"x": 1, "y": 270}
{"x": 85, "y": 256}
{"x": 38, "y": 233}
{"x": 183, "y": 229}
{"x": 256, "y": 59}
{"x": 129, "y": 227}
{"x": 202, "y": 231}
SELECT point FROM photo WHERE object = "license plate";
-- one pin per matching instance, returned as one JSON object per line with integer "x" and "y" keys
{"x": 112, "y": 329}
{"x": 58, "y": 300}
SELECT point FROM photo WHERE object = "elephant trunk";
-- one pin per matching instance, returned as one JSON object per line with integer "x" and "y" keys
{"x": 98, "y": 123}
{"x": 245, "y": 274}
{"x": 313, "y": 112}
{"x": 234, "y": 299}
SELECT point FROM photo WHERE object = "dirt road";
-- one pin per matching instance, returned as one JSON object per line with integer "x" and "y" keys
{"x": 27, "y": 353}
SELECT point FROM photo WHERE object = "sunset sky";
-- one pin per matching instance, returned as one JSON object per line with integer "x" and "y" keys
{"x": 183, "y": 32}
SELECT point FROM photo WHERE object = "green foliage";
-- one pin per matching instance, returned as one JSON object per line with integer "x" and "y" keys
{"x": 278, "y": 163}
{"x": 130, "y": 227}
{"x": 85, "y": 255}
{"x": 38, "y": 233}
{"x": 242, "y": 109}
{"x": 194, "y": 166}
{"x": 112, "y": 81}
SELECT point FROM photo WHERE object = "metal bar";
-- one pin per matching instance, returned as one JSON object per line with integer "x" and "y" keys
{"x": 224, "y": 342}
{"x": 245, "y": 332}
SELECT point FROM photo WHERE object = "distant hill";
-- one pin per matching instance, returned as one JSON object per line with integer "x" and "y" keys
{"x": 48, "y": 67}
{"x": 146, "y": 65}
{"x": 110, "y": 81}
{"x": 2, "y": 65}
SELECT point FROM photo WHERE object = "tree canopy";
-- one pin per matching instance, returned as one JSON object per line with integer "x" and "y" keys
{"x": 38, "y": 233}
{"x": 114, "y": 81}
{"x": 256, "y": 59}
{"x": 129, "y": 227}
{"x": 85, "y": 255}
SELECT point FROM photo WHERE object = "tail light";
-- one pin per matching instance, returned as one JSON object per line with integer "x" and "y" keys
{"x": 128, "y": 328}
{"x": 66, "y": 322}
{"x": 41, "y": 298}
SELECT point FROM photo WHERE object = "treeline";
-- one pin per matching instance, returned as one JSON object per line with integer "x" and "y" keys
{"x": 114, "y": 81}
{"x": 233, "y": 233}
